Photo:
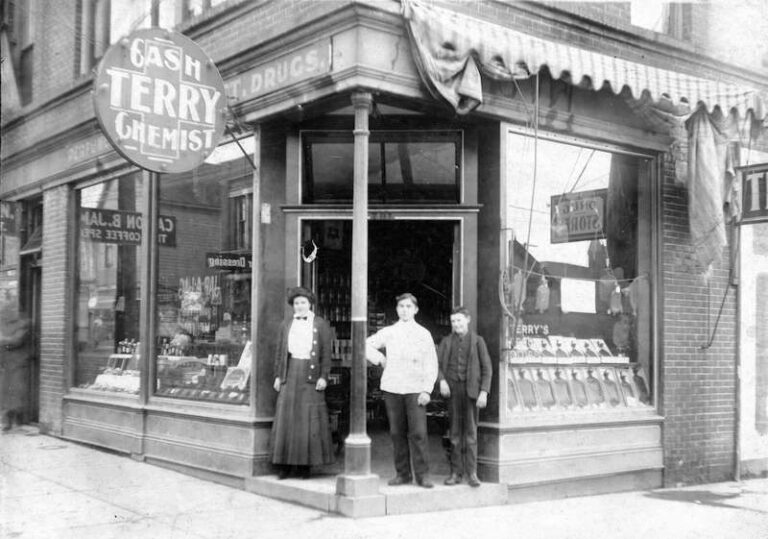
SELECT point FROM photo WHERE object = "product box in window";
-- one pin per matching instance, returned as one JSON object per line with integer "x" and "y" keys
{"x": 561, "y": 349}
{"x": 613, "y": 394}
{"x": 561, "y": 388}
{"x": 527, "y": 389}
{"x": 628, "y": 388}
{"x": 577, "y": 381}
{"x": 236, "y": 378}
{"x": 596, "y": 393}
{"x": 641, "y": 383}
{"x": 514, "y": 400}
{"x": 544, "y": 388}
{"x": 604, "y": 354}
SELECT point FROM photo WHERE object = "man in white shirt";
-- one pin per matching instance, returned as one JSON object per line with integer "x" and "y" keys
{"x": 410, "y": 372}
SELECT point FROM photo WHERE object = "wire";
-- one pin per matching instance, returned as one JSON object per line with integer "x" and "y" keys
{"x": 722, "y": 303}
{"x": 520, "y": 300}
{"x": 596, "y": 280}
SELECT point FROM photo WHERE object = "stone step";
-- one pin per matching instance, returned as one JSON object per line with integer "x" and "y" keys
{"x": 320, "y": 492}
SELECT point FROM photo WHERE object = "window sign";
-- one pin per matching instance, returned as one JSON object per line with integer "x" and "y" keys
{"x": 578, "y": 216}
{"x": 754, "y": 189}
{"x": 112, "y": 226}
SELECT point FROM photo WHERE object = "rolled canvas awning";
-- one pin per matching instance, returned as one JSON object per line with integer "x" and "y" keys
{"x": 453, "y": 49}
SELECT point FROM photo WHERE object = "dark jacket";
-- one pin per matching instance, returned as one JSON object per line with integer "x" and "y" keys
{"x": 478, "y": 365}
{"x": 320, "y": 358}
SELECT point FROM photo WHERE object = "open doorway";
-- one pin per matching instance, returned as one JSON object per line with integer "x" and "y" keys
{"x": 416, "y": 256}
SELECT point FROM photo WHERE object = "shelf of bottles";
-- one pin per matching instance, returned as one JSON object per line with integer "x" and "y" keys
{"x": 334, "y": 302}
{"x": 561, "y": 373}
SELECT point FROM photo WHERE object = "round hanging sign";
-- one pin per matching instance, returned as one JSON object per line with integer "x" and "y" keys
{"x": 160, "y": 100}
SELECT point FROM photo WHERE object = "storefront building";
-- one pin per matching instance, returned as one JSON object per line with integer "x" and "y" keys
{"x": 497, "y": 177}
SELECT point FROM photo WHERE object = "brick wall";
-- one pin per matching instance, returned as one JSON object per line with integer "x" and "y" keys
{"x": 55, "y": 340}
{"x": 698, "y": 386}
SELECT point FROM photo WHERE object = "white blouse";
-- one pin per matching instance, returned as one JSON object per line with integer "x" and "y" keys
{"x": 300, "y": 337}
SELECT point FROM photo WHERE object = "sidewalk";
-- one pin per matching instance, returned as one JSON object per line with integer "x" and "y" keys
{"x": 51, "y": 488}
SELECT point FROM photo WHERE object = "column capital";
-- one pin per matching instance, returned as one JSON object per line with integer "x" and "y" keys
{"x": 362, "y": 100}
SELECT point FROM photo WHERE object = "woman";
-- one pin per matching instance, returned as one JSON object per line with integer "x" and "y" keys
{"x": 301, "y": 433}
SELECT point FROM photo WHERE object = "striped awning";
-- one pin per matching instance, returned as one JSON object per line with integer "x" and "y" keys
{"x": 453, "y": 49}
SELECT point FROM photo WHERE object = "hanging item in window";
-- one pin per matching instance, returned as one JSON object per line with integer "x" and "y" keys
{"x": 542, "y": 295}
{"x": 309, "y": 251}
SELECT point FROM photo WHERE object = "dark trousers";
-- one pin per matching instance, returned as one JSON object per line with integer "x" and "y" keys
{"x": 463, "y": 433}
{"x": 408, "y": 429}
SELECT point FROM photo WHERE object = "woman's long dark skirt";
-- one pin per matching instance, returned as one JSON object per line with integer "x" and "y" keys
{"x": 301, "y": 433}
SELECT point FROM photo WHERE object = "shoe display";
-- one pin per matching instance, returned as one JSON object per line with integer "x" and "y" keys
{"x": 399, "y": 480}
{"x": 454, "y": 479}
{"x": 473, "y": 480}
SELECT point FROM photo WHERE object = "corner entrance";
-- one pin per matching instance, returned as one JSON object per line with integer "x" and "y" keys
{"x": 419, "y": 256}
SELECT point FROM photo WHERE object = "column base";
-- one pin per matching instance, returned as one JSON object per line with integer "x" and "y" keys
{"x": 357, "y": 455}
{"x": 358, "y": 496}
{"x": 356, "y": 486}
{"x": 367, "y": 506}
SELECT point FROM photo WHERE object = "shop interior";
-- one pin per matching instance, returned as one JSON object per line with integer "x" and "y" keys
{"x": 416, "y": 256}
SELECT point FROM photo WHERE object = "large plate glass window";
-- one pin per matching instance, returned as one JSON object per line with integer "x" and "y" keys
{"x": 576, "y": 278}
{"x": 403, "y": 167}
{"x": 107, "y": 304}
{"x": 203, "y": 320}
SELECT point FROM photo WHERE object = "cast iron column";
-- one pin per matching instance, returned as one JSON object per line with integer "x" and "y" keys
{"x": 358, "y": 487}
{"x": 357, "y": 459}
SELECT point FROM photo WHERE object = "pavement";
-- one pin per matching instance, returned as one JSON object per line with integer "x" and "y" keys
{"x": 51, "y": 488}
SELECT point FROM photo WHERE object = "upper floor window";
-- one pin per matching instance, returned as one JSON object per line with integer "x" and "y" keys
{"x": 403, "y": 167}
{"x": 669, "y": 18}
{"x": 241, "y": 212}
{"x": 193, "y": 8}
{"x": 104, "y": 22}
{"x": 17, "y": 21}
{"x": 9, "y": 237}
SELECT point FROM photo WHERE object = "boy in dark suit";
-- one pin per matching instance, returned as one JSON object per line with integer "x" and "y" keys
{"x": 465, "y": 378}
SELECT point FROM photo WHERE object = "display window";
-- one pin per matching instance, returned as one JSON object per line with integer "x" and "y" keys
{"x": 203, "y": 299}
{"x": 107, "y": 281}
{"x": 576, "y": 283}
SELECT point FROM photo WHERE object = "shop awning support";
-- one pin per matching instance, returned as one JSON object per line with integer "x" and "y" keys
{"x": 357, "y": 482}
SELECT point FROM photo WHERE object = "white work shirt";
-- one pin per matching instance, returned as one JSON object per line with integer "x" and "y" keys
{"x": 411, "y": 361}
{"x": 300, "y": 337}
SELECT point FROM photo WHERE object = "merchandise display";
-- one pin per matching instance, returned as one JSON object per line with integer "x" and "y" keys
{"x": 576, "y": 387}
{"x": 214, "y": 377}
{"x": 559, "y": 350}
{"x": 121, "y": 371}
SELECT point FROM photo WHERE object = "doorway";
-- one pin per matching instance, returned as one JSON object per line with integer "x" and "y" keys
{"x": 420, "y": 256}
{"x": 30, "y": 305}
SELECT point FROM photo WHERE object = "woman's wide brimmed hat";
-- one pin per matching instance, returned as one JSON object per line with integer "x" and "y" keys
{"x": 300, "y": 291}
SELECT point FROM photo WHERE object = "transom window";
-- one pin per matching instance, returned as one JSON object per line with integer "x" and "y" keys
{"x": 403, "y": 167}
